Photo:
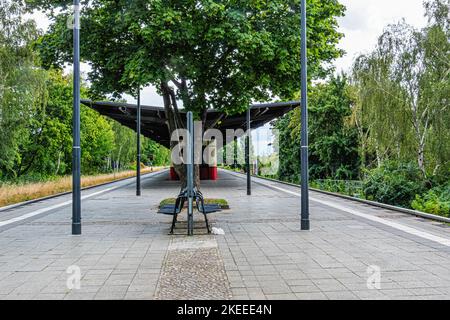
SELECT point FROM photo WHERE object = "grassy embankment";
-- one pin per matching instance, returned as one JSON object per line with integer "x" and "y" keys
{"x": 15, "y": 193}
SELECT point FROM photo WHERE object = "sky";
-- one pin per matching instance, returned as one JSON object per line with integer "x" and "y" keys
{"x": 362, "y": 25}
{"x": 365, "y": 20}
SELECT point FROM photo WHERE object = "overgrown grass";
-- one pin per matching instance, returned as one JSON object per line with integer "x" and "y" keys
{"x": 221, "y": 202}
{"x": 11, "y": 193}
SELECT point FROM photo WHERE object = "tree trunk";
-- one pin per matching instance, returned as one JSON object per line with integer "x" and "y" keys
{"x": 421, "y": 159}
{"x": 174, "y": 122}
{"x": 118, "y": 158}
{"x": 197, "y": 176}
{"x": 58, "y": 163}
{"x": 377, "y": 152}
{"x": 420, "y": 124}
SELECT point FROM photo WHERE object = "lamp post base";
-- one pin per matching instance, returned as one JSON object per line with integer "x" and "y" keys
{"x": 305, "y": 225}
{"x": 76, "y": 228}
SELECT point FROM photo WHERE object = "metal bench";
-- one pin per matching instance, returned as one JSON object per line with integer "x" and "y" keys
{"x": 175, "y": 209}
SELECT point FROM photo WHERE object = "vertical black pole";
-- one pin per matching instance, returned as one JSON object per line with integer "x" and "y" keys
{"x": 235, "y": 153}
{"x": 138, "y": 146}
{"x": 190, "y": 172}
{"x": 247, "y": 154}
{"x": 304, "y": 124}
{"x": 76, "y": 151}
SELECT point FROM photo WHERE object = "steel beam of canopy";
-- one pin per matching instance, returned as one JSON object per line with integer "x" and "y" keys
{"x": 304, "y": 124}
{"x": 190, "y": 171}
{"x": 138, "y": 142}
{"x": 76, "y": 151}
{"x": 247, "y": 154}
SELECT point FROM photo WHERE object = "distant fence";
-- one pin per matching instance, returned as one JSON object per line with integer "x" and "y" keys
{"x": 353, "y": 188}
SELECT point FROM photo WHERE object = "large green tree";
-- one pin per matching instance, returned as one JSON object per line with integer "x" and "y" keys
{"x": 155, "y": 154}
{"x": 22, "y": 90}
{"x": 206, "y": 53}
{"x": 36, "y": 113}
{"x": 333, "y": 138}
{"x": 403, "y": 90}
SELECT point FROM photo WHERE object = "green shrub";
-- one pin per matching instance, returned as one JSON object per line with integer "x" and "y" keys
{"x": 347, "y": 187}
{"x": 394, "y": 183}
{"x": 435, "y": 201}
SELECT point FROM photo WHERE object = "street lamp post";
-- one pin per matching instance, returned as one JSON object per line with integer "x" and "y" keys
{"x": 247, "y": 153}
{"x": 138, "y": 140}
{"x": 190, "y": 172}
{"x": 76, "y": 151}
{"x": 304, "y": 124}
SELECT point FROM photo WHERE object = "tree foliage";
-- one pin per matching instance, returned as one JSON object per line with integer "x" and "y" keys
{"x": 394, "y": 183}
{"x": 403, "y": 89}
{"x": 435, "y": 201}
{"x": 208, "y": 54}
{"x": 36, "y": 113}
{"x": 22, "y": 89}
{"x": 387, "y": 124}
{"x": 333, "y": 140}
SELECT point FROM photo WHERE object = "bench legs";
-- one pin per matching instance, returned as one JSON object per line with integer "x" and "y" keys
{"x": 199, "y": 197}
{"x": 179, "y": 204}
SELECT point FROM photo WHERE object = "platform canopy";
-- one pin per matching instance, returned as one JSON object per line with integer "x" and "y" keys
{"x": 154, "y": 126}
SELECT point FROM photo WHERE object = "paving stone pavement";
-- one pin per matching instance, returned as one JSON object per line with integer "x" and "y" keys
{"x": 125, "y": 251}
{"x": 193, "y": 270}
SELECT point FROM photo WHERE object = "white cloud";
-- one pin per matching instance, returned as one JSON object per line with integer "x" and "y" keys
{"x": 149, "y": 97}
{"x": 365, "y": 20}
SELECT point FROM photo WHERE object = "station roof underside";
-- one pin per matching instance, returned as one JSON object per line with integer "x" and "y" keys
{"x": 153, "y": 119}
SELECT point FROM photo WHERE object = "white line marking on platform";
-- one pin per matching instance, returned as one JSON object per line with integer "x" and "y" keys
{"x": 56, "y": 206}
{"x": 395, "y": 225}
{"x": 66, "y": 203}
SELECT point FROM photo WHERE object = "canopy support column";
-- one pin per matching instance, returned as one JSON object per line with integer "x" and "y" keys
{"x": 76, "y": 151}
{"x": 247, "y": 154}
{"x": 190, "y": 172}
{"x": 235, "y": 151}
{"x": 304, "y": 124}
{"x": 138, "y": 144}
